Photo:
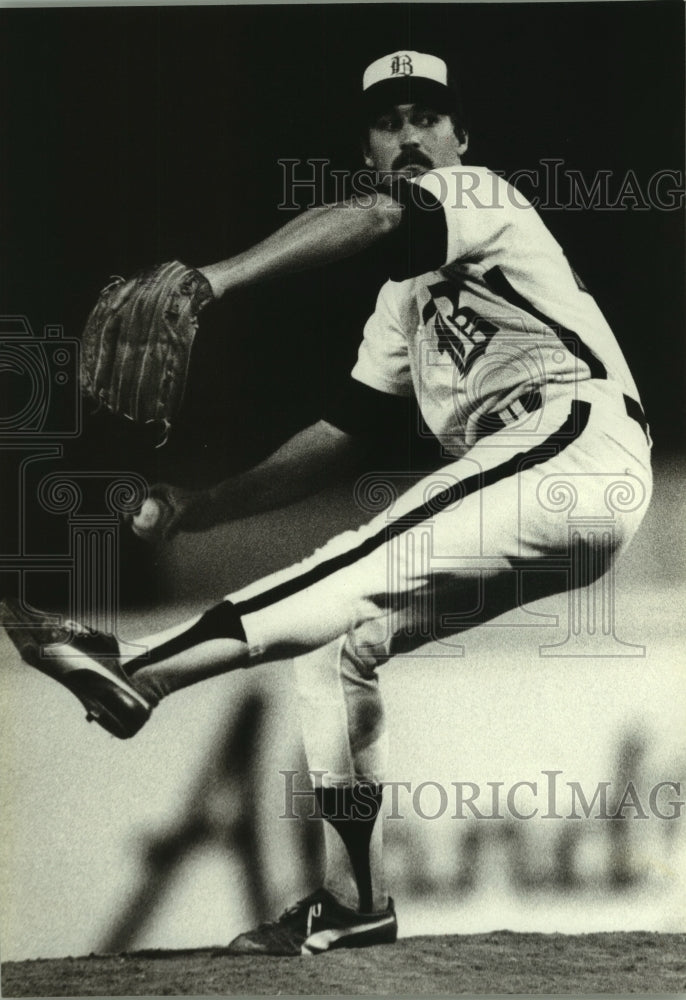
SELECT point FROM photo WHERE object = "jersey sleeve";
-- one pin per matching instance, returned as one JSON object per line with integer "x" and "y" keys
{"x": 476, "y": 207}
{"x": 449, "y": 214}
{"x": 420, "y": 243}
{"x": 382, "y": 361}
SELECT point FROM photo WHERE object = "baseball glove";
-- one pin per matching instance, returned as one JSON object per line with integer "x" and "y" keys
{"x": 137, "y": 343}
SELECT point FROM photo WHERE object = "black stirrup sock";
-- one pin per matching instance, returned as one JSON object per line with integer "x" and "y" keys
{"x": 352, "y": 811}
{"x": 220, "y": 622}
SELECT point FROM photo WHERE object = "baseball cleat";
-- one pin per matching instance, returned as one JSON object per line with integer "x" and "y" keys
{"x": 84, "y": 661}
{"x": 315, "y": 924}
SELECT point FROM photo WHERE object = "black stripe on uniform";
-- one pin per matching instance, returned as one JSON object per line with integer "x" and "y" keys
{"x": 573, "y": 426}
{"x": 497, "y": 282}
{"x": 635, "y": 411}
{"x": 420, "y": 242}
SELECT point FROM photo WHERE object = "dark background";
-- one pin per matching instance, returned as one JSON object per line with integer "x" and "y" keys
{"x": 135, "y": 135}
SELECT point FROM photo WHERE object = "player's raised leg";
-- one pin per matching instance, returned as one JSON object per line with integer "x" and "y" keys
{"x": 467, "y": 526}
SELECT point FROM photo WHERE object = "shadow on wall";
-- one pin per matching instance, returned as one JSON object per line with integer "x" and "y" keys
{"x": 600, "y": 849}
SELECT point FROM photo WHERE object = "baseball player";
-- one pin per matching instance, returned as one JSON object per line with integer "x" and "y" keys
{"x": 515, "y": 371}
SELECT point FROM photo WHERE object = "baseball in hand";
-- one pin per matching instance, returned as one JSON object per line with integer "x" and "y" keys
{"x": 145, "y": 521}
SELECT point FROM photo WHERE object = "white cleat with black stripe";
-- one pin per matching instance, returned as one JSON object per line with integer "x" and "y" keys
{"x": 84, "y": 661}
{"x": 315, "y": 924}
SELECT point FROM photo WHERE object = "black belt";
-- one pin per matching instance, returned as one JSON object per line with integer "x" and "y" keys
{"x": 491, "y": 423}
{"x": 635, "y": 411}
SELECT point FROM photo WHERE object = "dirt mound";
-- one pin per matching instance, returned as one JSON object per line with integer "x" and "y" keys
{"x": 500, "y": 962}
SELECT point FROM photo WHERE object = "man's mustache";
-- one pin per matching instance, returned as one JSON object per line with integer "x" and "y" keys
{"x": 410, "y": 158}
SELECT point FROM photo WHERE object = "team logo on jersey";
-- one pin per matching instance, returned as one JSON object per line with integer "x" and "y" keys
{"x": 461, "y": 333}
{"x": 401, "y": 66}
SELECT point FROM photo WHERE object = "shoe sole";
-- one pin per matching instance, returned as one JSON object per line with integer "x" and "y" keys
{"x": 124, "y": 728}
{"x": 123, "y": 719}
{"x": 360, "y": 936}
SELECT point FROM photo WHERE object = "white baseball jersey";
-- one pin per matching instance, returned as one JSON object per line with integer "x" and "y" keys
{"x": 479, "y": 339}
{"x": 500, "y": 335}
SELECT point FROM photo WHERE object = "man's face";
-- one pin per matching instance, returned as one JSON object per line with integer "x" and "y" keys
{"x": 413, "y": 138}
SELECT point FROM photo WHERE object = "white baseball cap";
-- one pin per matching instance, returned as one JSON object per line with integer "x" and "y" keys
{"x": 405, "y": 77}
